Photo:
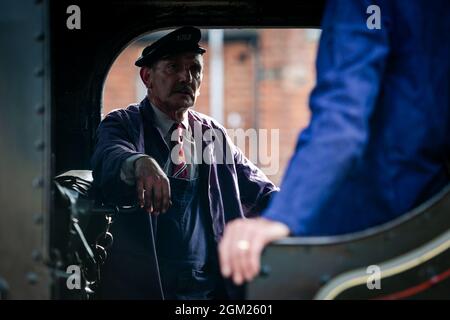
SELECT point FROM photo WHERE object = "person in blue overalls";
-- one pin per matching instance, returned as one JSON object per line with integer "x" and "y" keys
{"x": 165, "y": 156}
{"x": 378, "y": 143}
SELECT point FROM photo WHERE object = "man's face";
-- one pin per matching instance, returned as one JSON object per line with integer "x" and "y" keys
{"x": 174, "y": 82}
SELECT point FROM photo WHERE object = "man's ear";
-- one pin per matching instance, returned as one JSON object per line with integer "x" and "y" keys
{"x": 145, "y": 74}
{"x": 198, "y": 91}
{"x": 199, "y": 86}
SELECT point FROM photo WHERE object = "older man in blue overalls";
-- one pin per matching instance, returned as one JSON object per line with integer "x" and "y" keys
{"x": 190, "y": 186}
{"x": 379, "y": 139}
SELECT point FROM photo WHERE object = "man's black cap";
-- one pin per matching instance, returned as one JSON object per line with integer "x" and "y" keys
{"x": 181, "y": 40}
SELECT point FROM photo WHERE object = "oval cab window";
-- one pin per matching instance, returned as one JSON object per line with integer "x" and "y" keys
{"x": 256, "y": 83}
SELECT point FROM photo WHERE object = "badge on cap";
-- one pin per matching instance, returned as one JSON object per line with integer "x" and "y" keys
{"x": 184, "y": 37}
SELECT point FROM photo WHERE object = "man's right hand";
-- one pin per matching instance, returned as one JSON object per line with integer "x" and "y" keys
{"x": 152, "y": 186}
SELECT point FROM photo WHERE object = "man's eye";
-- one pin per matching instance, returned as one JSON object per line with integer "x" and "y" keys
{"x": 172, "y": 66}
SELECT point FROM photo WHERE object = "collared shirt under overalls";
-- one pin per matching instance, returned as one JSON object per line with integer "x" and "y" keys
{"x": 184, "y": 242}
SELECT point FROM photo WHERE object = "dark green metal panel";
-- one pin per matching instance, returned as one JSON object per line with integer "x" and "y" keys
{"x": 24, "y": 145}
{"x": 297, "y": 268}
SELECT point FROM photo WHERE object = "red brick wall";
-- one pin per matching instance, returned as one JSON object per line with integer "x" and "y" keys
{"x": 120, "y": 84}
{"x": 288, "y": 64}
{"x": 275, "y": 97}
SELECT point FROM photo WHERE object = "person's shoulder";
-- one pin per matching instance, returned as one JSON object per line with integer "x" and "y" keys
{"x": 124, "y": 114}
{"x": 206, "y": 120}
{"x": 120, "y": 112}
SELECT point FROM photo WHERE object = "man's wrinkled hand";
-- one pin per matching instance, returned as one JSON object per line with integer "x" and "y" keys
{"x": 242, "y": 244}
{"x": 152, "y": 186}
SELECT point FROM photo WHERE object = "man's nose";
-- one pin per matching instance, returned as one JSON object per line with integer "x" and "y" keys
{"x": 185, "y": 75}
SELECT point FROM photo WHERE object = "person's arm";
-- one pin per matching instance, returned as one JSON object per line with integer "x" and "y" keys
{"x": 113, "y": 147}
{"x": 124, "y": 175}
{"x": 127, "y": 171}
{"x": 350, "y": 67}
{"x": 255, "y": 188}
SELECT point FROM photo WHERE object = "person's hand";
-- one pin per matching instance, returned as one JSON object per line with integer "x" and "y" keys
{"x": 242, "y": 243}
{"x": 152, "y": 186}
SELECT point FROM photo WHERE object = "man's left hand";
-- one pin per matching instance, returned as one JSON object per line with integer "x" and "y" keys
{"x": 242, "y": 244}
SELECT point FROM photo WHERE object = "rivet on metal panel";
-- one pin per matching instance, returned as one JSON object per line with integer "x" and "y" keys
{"x": 59, "y": 264}
{"x": 265, "y": 270}
{"x": 38, "y": 218}
{"x": 39, "y": 72}
{"x": 4, "y": 289}
{"x": 39, "y": 37}
{"x": 32, "y": 277}
{"x": 56, "y": 258}
{"x": 38, "y": 182}
{"x": 39, "y": 144}
{"x": 36, "y": 255}
{"x": 40, "y": 109}
{"x": 324, "y": 279}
